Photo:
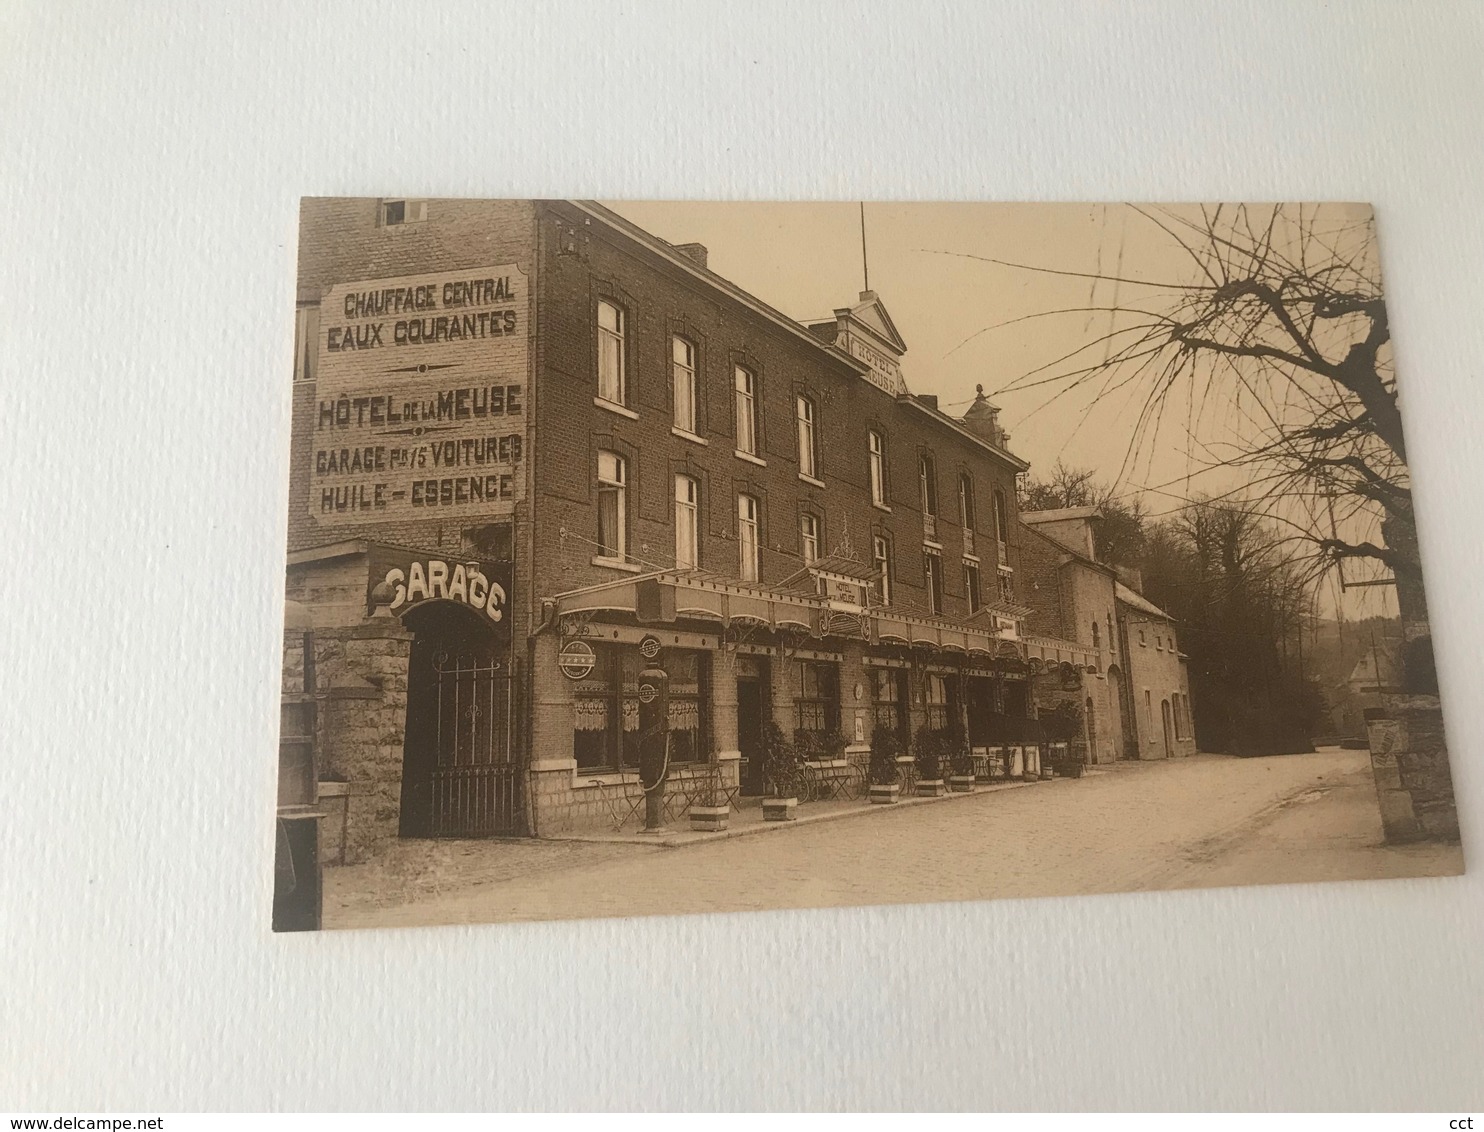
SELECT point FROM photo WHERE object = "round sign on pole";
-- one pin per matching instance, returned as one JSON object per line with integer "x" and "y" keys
{"x": 649, "y": 646}
{"x": 647, "y": 693}
{"x": 576, "y": 659}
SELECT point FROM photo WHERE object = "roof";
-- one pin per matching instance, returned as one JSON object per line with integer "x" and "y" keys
{"x": 1060, "y": 514}
{"x": 679, "y": 259}
{"x": 1071, "y": 552}
{"x": 1138, "y": 601}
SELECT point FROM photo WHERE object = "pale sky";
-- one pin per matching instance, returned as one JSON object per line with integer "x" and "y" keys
{"x": 805, "y": 260}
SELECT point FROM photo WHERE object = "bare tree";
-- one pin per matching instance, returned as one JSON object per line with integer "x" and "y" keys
{"x": 1276, "y": 342}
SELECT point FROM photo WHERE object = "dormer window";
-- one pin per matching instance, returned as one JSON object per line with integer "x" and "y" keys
{"x": 398, "y": 212}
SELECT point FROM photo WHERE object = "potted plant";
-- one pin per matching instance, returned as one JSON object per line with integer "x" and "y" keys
{"x": 709, "y": 813}
{"x": 1062, "y": 724}
{"x": 960, "y": 760}
{"x": 885, "y": 747}
{"x": 781, "y": 775}
{"x": 928, "y": 748}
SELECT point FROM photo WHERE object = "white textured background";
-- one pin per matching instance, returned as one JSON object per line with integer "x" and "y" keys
{"x": 151, "y": 158}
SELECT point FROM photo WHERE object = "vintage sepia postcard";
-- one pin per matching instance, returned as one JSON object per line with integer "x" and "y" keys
{"x": 653, "y": 558}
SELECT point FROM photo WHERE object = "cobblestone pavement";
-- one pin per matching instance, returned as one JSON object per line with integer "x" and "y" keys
{"x": 1207, "y": 820}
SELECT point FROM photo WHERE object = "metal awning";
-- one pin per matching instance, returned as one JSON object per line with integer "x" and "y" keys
{"x": 669, "y": 595}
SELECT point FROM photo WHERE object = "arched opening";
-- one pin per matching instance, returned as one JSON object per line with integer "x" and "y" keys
{"x": 459, "y": 770}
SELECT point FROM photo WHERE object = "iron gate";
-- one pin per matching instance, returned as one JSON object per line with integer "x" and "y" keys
{"x": 477, "y": 765}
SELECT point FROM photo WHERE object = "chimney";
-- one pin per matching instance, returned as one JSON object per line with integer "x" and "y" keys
{"x": 929, "y": 399}
{"x": 696, "y": 253}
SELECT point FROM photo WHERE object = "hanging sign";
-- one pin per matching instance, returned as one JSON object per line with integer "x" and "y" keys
{"x": 576, "y": 659}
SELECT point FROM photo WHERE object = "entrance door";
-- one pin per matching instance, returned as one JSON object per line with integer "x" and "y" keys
{"x": 461, "y": 767}
{"x": 750, "y": 732}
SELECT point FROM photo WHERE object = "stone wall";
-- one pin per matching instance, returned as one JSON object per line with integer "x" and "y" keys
{"x": 361, "y": 690}
{"x": 1409, "y": 758}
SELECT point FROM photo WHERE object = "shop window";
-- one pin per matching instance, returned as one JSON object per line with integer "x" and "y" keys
{"x": 606, "y": 727}
{"x": 817, "y": 703}
{"x": 612, "y": 505}
{"x": 888, "y": 700}
{"x": 687, "y": 526}
{"x": 612, "y": 380}
{"x": 745, "y": 384}
{"x": 939, "y": 700}
{"x": 683, "y": 368}
{"x": 747, "y": 538}
{"x": 876, "y": 457}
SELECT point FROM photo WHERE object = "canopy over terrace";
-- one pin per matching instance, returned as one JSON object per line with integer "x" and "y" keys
{"x": 668, "y": 596}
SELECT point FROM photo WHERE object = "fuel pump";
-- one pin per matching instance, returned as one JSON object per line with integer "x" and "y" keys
{"x": 654, "y": 740}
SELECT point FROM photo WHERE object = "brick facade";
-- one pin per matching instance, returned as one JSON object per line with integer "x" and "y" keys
{"x": 570, "y": 256}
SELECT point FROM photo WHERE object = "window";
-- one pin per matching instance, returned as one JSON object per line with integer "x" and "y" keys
{"x": 887, "y": 698}
{"x": 687, "y": 529}
{"x": 1149, "y": 713}
{"x": 1159, "y": 642}
{"x": 808, "y": 440}
{"x": 971, "y": 586}
{"x": 395, "y": 212}
{"x": 606, "y": 727}
{"x": 683, "y": 368}
{"x": 876, "y": 450}
{"x": 1001, "y": 525}
{"x": 612, "y": 505}
{"x": 932, "y": 569}
{"x": 1111, "y": 646}
{"x": 612, "y": 385}
{"x": 939, "y": 700}
{"x": 1175, "y": 713}
{"x": 966, "y": 509}
{"x": 1097, "y": 642}
{"x": 818, "y": 700}
{"x": 881, "y": 559}
{"x": 747, "y": 538}
{"x": 1142, "y": 642}
{"x": 746, "y": 386}
{"x": 306, "y": 344}
{"x": 928, "y": 474}
{"x": 1007, "y": 587}
{"x": 809, "y": 537}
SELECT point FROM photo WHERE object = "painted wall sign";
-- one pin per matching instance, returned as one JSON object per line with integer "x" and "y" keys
{"x": 406, "y": 579}
{"x": 886, "y": 371}
{"x": 421, "y": 397}
{"x": 576, "y": 660}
